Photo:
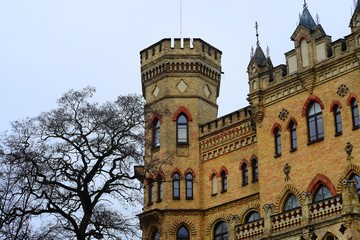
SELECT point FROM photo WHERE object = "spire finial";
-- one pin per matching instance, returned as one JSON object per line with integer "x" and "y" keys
{"x": 257, "y": 33}
{"x": 305, "y": 4}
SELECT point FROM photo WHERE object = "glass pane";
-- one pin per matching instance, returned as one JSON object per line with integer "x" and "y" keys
{"x": 182, "y": 133}
{"x": 253, "y": 216}
{"x": 183, "y": 234}
{"x": 182, "y": 119}
{"x": 355, "y": 113}
{"x": 322, "y": 193}
{"x": 291, "y": 203}
{"x": 320, "y": 127}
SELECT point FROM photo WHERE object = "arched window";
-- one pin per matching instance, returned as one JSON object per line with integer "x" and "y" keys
{"x": 224, "y": 181}
{"x": 337, "y": 118}
{"x": 291, "y": 203}
{"x": 189, "y": 186}
{"x": 155, "y": 235}
{"x": 293, "y": 136}
{"x": 355, "y": 113}
{"x": 322, "y": 193}
{"x": 357, "y": 179}
{"x": 176, "y": 186}
{"x": 315, "y": 122}
{"x": 252, "y": 216}
{"x": 156, "y": 133}
{"x": 254, "y": 170}
{"x": 159, "y": 188}
{"x": 277, "y": 142}
{"x": 183, "y": 233}
{"x": 245, "y": 175}
{"x": 330, "y": 237}
{"x": 151, "y": 190}
{"x": 221, "y": 231}
{"x": 182, "y": 129}
{"x": 214, "y": 184}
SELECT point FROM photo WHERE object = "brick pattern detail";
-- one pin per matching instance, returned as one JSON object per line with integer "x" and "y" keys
{"x": 335, "y": 102}
{"x": 184, "y": 110}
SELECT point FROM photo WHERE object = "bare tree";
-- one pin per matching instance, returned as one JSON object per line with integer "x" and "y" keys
{"x": 71, "y": 165}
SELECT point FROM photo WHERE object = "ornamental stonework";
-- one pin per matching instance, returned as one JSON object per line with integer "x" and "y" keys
{"x": 342, "y": 90}
{"x": 283, "y": 114}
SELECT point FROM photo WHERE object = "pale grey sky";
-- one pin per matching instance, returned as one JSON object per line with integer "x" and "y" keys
{"x": 50, "y": 46}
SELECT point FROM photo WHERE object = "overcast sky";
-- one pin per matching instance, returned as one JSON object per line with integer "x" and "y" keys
{"x": 50, "y": 46}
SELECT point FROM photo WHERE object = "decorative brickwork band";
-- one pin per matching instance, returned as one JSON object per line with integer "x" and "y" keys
{"x": 184, "y": 110}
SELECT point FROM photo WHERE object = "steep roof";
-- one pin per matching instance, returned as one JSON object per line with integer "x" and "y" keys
{"x": 307, "y": 20}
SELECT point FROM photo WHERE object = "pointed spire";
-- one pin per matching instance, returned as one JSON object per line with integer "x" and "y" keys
{"x": 306, "y": 19}
{"x": 259, "y": 55}
{"x": 257, "y": 34}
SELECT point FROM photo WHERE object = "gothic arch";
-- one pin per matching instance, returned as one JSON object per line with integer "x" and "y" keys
{"x": 276, "y": 125}
{"x": 154, "y": 116}
{"x": 161, "y": 175}
{"x": 151, "y": 228}
{"x": 212, "y": 174}
{"x": 307, "y": 103}
{"x": 248, "y": 208}
{"x": 214, "y": 220}
{"x": 335, "y": 102}
{"x": 176, "y": 170}
{"x": 291, "y": 120}
{"x": 352, "y": 95}
{"x": 283, "y": 195}
{"x": 352, "y": 168}
{"x": 184, "y": 110}
{"x": 318, "y": 180}
{"x": 242, "y": 162}
{"x": 189, "y": 170}
{"x": 177, "y": 223}
{"x": 223, "y": 168}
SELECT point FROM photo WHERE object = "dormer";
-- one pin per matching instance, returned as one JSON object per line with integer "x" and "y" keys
{"x": 311, "y": 44}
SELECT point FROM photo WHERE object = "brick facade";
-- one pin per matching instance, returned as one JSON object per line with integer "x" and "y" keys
{"x": 183, "y": 78}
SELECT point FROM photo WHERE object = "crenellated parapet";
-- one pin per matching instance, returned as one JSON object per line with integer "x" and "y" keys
{"x": 226, "y": 134}
{"x": 171, "y": 56}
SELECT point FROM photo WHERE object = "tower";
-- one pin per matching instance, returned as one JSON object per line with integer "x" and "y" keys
{"x": 180, "y": 82}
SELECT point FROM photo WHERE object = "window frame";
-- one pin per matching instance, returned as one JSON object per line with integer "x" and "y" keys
{"x": 255, "y": 170}
{"x": 355, "y": 113}
{"x": 189, "y": 186}
{"x": 337, "y": 120}
{"x": 160, "y": 189}
{"x": 315, "y": 119}
{"x": 182, "y": 126}
{"x": 222, "y": 234}
{"x": 250, "y": 214}
{"x": 244, "y": 174}
{"x": 285, "y": 209}
{"x": 156, "y": 133}
{"x": 181, "y": 237}
{"x": 277, "y": 141}
{"x": 293, "y": 136}
{"x": 150, "y": 191}
{"x": 322, "y": 198}
{"x": 224, "y": 181}
{"x": 214, "y": 185}
{"x": 176, "y": 186}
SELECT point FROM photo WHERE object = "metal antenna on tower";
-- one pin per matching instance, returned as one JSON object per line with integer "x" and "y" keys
{"x": 180, "y": 19}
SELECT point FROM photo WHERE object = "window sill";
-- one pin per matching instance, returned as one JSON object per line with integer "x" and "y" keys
{"x": 189, "y": 198}
{"x": 150, "y": 204}
{"x": 182, "y": 144}
{"x": 355, "y": 128}
{"x": 155, "y": 149}
{"x": 224, "y": 191}
{"x": 315, "y": 141}
{"x": 176, "y": 198}
{"x": 213, "y": 194}
{"x": 338, "y": 134}
{"x": 277, "y": 155}
{"x": 293, "y": 150}
{"x": 244, "y": 184}
{"x": 255, "y": 181}
{"x": 159, "y": 201}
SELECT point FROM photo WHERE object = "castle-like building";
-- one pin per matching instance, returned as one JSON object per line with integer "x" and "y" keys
{"x": 287, "y": 166}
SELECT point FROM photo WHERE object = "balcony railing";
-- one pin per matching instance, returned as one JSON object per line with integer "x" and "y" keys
{"x": 286, "y": 220}
{"x": 250, "y": 230}
{"x": 325, "y": 208}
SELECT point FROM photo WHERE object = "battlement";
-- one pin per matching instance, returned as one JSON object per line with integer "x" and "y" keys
{"x": 241, "y": 115}
{"x": 180, "y": 47}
